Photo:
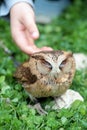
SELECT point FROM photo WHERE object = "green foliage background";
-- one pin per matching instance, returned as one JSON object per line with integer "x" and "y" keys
{"x": 67, "y": 32}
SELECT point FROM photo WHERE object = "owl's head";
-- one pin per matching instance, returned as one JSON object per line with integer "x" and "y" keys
{"x": 54, "y": 62}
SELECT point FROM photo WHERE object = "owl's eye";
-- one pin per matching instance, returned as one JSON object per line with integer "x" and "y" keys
{"x": 62, "y": 64}
{"x": 46, "y": 63}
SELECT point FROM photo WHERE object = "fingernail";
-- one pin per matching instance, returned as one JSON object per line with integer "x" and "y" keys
{"x": 35, "y": 35}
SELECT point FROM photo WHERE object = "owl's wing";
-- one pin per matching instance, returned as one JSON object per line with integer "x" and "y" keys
{"x": 24, "y": 75}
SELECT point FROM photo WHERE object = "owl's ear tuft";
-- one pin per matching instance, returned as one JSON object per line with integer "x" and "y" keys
{"x": 37, "y": 57}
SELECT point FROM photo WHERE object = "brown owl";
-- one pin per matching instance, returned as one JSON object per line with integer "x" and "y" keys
{"x": 47, "y": 73}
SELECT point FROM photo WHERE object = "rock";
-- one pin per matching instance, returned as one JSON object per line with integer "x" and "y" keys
{"x": 81, "y": 60}
{"x": 67, "y": 99}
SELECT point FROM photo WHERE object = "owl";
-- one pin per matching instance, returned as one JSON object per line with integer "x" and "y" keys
{"x": 47, "y": 74}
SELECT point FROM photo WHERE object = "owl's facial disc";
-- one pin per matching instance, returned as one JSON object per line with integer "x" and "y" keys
{"x": 52, "y": 63}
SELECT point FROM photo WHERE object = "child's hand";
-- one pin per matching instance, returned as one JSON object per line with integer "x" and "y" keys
{"x": 23, "y": 28}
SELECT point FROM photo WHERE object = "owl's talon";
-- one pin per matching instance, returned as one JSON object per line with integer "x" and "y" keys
{"x": 39, "y": 109}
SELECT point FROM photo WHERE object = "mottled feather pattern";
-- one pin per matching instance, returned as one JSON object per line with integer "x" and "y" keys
{"x": 47, "y": 73}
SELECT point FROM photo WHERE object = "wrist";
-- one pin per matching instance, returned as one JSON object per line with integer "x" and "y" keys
{"x": 22, "y": 3}
{"x": 21, "y": 8}
{"x": 5, "y": 8}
